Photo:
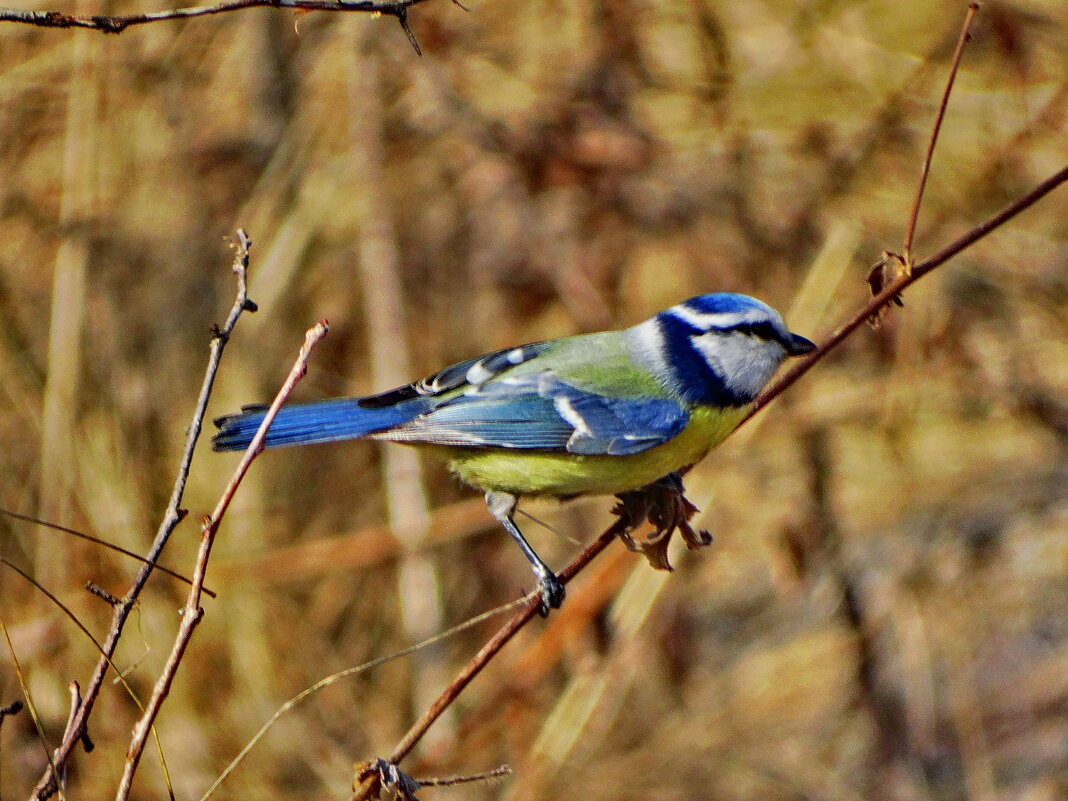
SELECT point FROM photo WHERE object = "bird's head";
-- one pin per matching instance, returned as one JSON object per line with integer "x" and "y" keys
{"x": 719, "y": 349}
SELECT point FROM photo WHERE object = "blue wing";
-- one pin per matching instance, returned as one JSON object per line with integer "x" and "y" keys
{"x": 352, "y": 418}
{"x": 540, "y": 411}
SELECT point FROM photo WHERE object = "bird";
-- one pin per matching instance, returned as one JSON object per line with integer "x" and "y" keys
{"x": 591, "y": 414}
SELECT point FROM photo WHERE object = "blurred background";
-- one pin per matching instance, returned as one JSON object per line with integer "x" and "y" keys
{"x": 882, "y": 613}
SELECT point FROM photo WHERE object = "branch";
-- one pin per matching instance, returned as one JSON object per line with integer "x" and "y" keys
{"x": 173, "y": 515}
{"x": 965, "y": 37}
{"x": 193, "y": 612}
{"x": 368, "y": 778}
{"x": 117, "y": 24}
{"x": 890, "y": 291}
{"x": 352, "y": 671}
{"x": 368, "y": 775}
{"x": 97, "y": 541}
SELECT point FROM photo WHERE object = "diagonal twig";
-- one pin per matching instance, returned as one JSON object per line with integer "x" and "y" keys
{"x": 367, "y": 777}
{"x": 333, "y": 678}
{"x": 97, "y": 541}
{"x": 193, "y": 612}
{"x": 910, "y": 230}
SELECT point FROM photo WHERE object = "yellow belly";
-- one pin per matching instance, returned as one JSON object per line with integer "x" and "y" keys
{"x": 561, "y": 474}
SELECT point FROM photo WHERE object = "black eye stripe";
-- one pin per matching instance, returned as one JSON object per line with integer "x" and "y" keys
{"x": 763, "y": 330}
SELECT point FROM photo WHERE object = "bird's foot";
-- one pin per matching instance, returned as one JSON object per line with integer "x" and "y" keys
{"x": 388, "y": 780}
{"x": 551, "y": 590}
{"x": 664, "y": 505}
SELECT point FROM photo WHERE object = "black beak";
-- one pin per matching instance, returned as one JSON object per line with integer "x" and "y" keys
{"x": 797, "y": 345}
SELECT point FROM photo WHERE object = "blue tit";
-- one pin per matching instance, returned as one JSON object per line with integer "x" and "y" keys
{"x": 592, "y": 414}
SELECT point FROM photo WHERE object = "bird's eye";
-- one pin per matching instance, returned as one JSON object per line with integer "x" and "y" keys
{"x": 763, "y": 330}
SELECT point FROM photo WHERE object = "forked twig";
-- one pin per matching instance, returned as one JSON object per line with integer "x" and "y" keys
{"x": 172, "y": 516}
{"x": 193, "y": 612}
{"x": 452, "y": 781}
{"x": 892, "y": 266}
{"x": 397, "y": 784}
{"x": 368, "y": 776}
{"x": 919, "y": 270}
{"x": 119, "y": 23}
{"x": 75, "y": 689}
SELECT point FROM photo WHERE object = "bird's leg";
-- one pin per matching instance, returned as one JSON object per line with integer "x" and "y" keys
{"x": 502, "y": 506}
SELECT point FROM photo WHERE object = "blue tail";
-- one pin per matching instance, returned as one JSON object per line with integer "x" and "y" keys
{"x": 306, "y": 423}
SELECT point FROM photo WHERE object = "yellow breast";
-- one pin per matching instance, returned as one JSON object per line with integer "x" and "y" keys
{"x": 538, "y": 473}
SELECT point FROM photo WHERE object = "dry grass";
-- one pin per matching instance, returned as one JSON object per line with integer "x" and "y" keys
{"x": 882, "y": 614}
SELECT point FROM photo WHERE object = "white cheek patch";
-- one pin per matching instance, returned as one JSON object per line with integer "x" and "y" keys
{"x": 744, "y": 363}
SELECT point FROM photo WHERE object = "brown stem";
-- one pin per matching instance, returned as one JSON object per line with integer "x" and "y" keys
{"x": 910, "y": 231}
{"x": 193, "y": 612}
{"x": 479, "y": 661}
{"x": 96, "y": 541}
{"x": 919, "y": 270}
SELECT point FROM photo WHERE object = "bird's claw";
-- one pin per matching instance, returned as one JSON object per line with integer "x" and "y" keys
{"x": 552, "y": 592}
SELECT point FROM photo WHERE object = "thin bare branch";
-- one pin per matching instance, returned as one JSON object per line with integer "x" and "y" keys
{"x": 402, "y": 17}
{"x": 82, "y": 736}
{"x": 62, "y": 606}
{"x": 173, "y": 515}
{"x": 395, "y": 783}
{"x": 75, "y": 702}
{"x": 95, "y": 589}
{"x": 117, "y": 24}
{"x": 451, "y": 781}
{"x": 910, "y": 231}
{"x": 97, "y": 541}
{"x": 29, "y": 699}
{"x": 352, "y": 671}
{"x": 66, "y": 610}
{"x": 193, "y": 612}
{"x": 890, "y": 291}
{"x": 368, "y": 779}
